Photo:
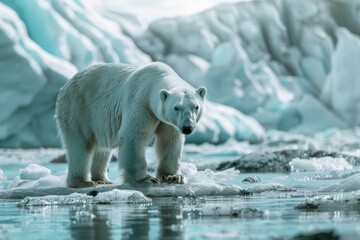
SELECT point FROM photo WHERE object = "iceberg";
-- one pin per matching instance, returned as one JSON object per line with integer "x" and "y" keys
{"x": 44, "y": 56}
{"x": 277, "y": 64}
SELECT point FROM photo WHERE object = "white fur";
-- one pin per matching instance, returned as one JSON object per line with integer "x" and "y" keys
{"x": 115, "y": 105}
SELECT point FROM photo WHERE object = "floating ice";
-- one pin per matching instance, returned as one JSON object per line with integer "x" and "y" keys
{"x": 189, "y": 199}
{"x": 349, "y": 184}
{"x": 37, "y": 176}
{"x": 270, "y": 187}
{"x": 113, "y": 196}
{"x": 221, "y": 210}
{"x": 338, "y": 202}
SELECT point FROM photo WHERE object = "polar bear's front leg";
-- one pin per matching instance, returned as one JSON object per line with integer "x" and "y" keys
{"x": 135, "y": 133}
{"x": 169, "y": 145}
{"x": 132, "y": 159}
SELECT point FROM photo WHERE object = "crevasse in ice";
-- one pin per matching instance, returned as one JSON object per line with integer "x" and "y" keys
{"x": 274, "y": 64}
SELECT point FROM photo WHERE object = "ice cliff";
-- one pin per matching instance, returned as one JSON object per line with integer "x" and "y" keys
{"x": 275, "y": 64}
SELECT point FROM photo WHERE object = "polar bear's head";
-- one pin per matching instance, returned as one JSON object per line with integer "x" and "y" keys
{"x": 182, "y": 108}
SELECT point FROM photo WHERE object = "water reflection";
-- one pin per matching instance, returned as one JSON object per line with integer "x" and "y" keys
{"x": 163, "y": 219}
{"x": 159, "y": 222}
{"x": 171, "y": 224}
{"x": 89, "y": 222}
{"x": 136, "y": 224}
{"x": 128, "y": 221}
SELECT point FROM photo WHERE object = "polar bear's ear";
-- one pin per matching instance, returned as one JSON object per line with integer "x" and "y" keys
{"x": 164, "y": 94}
{"x": 202, "y": 92}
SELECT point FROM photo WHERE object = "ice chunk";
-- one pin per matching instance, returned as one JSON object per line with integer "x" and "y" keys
{"x": 251, "y": 179}
{"x": 271, "y": 187}
{"x": 34, "y": 172}
{"x": 37, "y": 176}
{"x": 192, "y": 175}
{"x": 116, "y": 195}
{"x": 2, "y": 175}
{"x": 349, "y": 184}
{"x": 320, "y": 164}
{"x": 211, "y": 210}
{"x": 189, "y": 199}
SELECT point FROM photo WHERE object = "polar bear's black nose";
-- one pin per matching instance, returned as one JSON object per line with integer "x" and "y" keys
{"x": 186, "y": 130}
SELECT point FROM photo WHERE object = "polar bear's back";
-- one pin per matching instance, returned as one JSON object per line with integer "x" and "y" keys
{"x": 100, "y": 76}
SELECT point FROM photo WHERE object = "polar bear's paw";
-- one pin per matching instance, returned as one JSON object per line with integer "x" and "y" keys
{"x": 150, "y": 179}
{"x": 100, "y": 182}
{"x": 81, "y": 184}
{"x": 177, "y": 178}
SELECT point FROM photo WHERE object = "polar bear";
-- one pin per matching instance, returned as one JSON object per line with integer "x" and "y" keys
{"x": 109, "y": 106}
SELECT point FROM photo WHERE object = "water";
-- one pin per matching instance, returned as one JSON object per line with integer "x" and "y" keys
{"x": 270, "y": 215}
{"x": 263, "y": 215}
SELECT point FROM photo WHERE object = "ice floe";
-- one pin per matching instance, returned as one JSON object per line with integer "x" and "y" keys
{"x": 37, "y": 181}
{"x": 113, "y": 196}
{"x": 333, "y": 202}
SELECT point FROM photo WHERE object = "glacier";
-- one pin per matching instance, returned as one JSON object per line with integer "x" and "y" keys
{"x": 275, "y": 64}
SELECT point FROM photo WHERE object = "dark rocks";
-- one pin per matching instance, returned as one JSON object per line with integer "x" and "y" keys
{"x": 251, "y": 179}
{"x": 278, "y": 161}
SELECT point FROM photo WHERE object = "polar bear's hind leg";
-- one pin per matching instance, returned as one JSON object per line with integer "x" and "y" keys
{"x": 79, "y": 157}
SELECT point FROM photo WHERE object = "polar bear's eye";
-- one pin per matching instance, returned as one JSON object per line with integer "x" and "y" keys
{"x": 196, "y": 107}
{"x": 176, "y": 108}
